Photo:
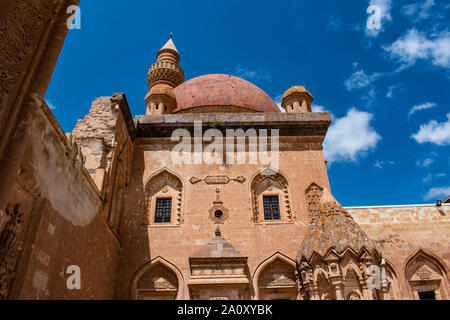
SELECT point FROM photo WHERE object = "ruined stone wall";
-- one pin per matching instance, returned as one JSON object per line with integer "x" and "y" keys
{"x": 31, "y": 37}
{"x": 105, "y": 137}
{"x": 62, "y": 222}
{"x": 401, "y": 231}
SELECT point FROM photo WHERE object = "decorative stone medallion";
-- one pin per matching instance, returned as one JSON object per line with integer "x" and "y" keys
{"x": 218, "y": 214}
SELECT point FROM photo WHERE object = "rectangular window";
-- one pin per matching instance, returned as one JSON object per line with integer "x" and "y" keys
{"x": 163, "y": 210}
{"x": 272, "y": 208}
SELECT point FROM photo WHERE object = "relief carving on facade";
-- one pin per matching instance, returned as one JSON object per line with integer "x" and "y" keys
{"x": 218, "y": 214}
{"x": 158, "y": 278}
{"x": 212, "y": 180}
{"x": 278, "y": 274}
{"x": 170, "y": 185}
{"x": 9, "y": 238}
{"x": 274, "y": 183}
{"x": 313, "y": 195}
{"x": 19, "y": 36}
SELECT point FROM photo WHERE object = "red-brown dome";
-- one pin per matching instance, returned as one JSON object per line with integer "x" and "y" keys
{"x": 219, "y": 90}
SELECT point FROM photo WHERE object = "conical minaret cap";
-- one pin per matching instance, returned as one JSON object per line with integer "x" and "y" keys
{"x": 170, "y": 45}
{"x": 169, "y": 52}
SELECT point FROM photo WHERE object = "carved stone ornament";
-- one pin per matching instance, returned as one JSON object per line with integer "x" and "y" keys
{"x": 9, "y": 239}
{"x": 218, "y": 214}
{"x": 217, "y": 180}
{"x": 277, "y": 179}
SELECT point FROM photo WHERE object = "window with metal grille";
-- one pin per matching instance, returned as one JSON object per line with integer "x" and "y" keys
{"x": 272, "y": 208}
{"x": 163, "y": 210}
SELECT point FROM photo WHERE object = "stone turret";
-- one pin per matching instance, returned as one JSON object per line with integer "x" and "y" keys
{"x": 337, "y": 259}
{"x": 297, "y": 99}
{"x": 163, "y": 77}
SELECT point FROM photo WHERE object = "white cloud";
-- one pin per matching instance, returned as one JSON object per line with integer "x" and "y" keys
{"x": 350, "y": 137}
{"x": 434, "y": 132}
{"x": 360, "y": 79}
{"x": 381, "y": 164}
{"x": 414, "y": 46}
{"x": 317, "y": 108}
{"x": 425, "y": 163}
{"x": 437, "y": 193}
{"x": 258, "y": 73}
{"x": 418, "y": 11}
{"x": 392, "y": 90}
{"x": 420, "y": 107}
{"x": 385, "y": 7}
{"x": 50, "y": 105}
{"x": 431, "y": 176}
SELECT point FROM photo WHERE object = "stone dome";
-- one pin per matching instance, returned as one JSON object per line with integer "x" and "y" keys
{"x": 296, "y": 89}
{"x": 222, "y": 93}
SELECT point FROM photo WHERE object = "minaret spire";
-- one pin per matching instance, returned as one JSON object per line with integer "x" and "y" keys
{"x": 164, "y": 76}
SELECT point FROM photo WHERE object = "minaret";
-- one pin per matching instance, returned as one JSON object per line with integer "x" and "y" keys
{"x": 164, "y": 76}
{"x": 297, "y": 99}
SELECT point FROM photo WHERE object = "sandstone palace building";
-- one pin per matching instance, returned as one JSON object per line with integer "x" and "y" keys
{"x": 108, "y": 200}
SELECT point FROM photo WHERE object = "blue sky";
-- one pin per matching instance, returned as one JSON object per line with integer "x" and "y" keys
{"x": 388, "y": 89}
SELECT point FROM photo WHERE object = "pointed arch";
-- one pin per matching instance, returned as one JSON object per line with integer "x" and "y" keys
{"x": 426, "y": 275}
{"x": 350, "y": 261}
{"x": 283, "y": 265}
{"x": 167, "y": 285}
{"x": 392, "y": 291}
{"x": 164, "y": 184}
{"x": 164, "y": 170}
{"x": 275, "y": 185}
{"x": 325, "y": 288}
{"x": 429, "y": 255}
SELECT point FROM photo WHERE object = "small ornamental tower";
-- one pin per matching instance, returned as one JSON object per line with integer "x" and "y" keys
{"x": 163, "y": 77}
{"x": 337, "y": 260}
{"x": 160, "y": 100}
{"x": 297, "y": 99}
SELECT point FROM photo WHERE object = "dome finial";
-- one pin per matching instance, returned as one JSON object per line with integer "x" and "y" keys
{"x": 171, "y": 35}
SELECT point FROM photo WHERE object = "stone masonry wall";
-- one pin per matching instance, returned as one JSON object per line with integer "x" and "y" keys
{"x": 62, "y": 222}
{"x": 400, "y": 231}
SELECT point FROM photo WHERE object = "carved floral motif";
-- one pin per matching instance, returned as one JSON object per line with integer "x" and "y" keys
{"x": 9, "y": 238}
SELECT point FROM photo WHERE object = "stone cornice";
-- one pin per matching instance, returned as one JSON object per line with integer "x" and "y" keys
{"x": 289, "y": 124}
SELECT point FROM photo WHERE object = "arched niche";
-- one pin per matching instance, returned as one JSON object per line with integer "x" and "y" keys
{"x": 275, "y": 279}
{"x": 426, "y": 276}
{"x": 157, "y": 280}
{"x": 352, "y": 284}
{"x": 164, "y": 185}
{"x": 392, "y": 289}
{"x": 271, "y": 183}
{"x": 117, "y": 200}
{"x": 325, "y": 290}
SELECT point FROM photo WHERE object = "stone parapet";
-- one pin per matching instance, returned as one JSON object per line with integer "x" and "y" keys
{"x": 299, "y": 124}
